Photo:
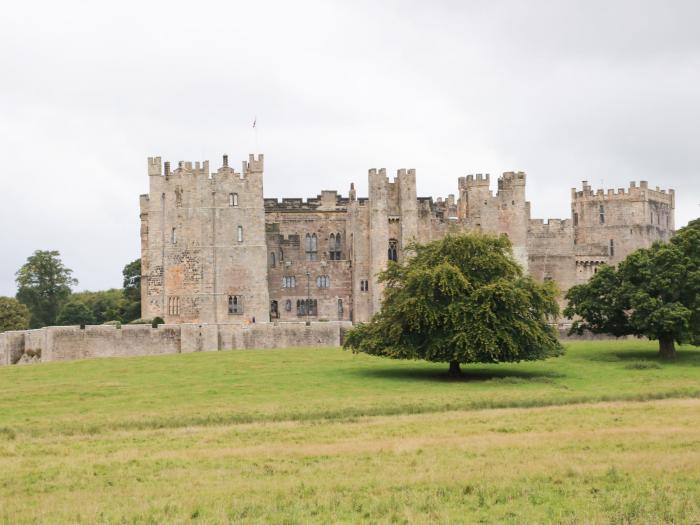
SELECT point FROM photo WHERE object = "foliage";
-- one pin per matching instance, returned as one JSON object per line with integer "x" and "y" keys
{"x": 75, "y": 312}
{"x": 105, "y": 305}
{"x": 13, "y": 315}
{"x": 132, "y": 291}
{"x": 462, "y": 299}
{"x": 44, "y": 284}
{"x": 156, "y": 321}
{"x": 654, "y": 292}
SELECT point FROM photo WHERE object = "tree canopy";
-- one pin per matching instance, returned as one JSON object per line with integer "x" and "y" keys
{"x": 132, "y": 290}
{"x": 74, "y": 312}
{"x": 654, "y": 292}
{"x": 462, "y": 299}
{"x": 13, "y": 315}
{"x": 43, "y": 285}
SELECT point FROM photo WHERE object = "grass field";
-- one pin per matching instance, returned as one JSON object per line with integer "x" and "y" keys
{"x": 605, "y": 434}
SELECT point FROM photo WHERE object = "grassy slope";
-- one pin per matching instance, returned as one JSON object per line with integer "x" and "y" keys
{"x": 161, "y": 439}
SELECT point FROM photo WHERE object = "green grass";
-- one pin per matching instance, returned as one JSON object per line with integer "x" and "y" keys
{"x": 322, "y": 435}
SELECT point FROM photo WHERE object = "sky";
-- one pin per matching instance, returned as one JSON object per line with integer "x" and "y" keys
{"x": 604, "y": 91}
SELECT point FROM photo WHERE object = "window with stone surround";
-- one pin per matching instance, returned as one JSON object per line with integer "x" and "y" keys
{"x": 235, "y": 304}
{"x": 307, "y": 307}
{"x": 240, "y": 234}
{"x": 288, "y": 305}
{"x": 323, "y": 281}
{"x": 393, "y": 249}
{"x": 340, "y": 308}
{"x": 364, "y": 285}
{"x": 173, "y": 306}
{"x": 173, "y": 236}
{"x": 612, "y": 247}
{"x": 311, "y": 247}
{"x": 233, "y": 199}
{"x": 289, "y": 281}
{"x": 335, "y": 249}
{"x": 273, "y": 259}
{"x": 601, "y": 214}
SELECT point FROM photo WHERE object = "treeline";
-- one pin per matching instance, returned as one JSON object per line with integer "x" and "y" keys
{"x": 45, "y": 297}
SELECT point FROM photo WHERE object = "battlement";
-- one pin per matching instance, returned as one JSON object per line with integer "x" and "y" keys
{"x": 402, "y": 174}
{"x": 634, "y": 192}
{"x": 510, "y": 179}
{"x": 539, "y": 225}
{"x": 321, "y": 202}
{"x": 253, "y": 165}
{"x": 483, "y": 180}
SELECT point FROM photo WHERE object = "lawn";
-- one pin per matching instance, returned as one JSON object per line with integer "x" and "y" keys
{"x": 605, "y": 434}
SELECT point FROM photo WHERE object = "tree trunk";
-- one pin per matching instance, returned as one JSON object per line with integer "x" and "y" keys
{"x": 667, "y": 347}
{"x": 455, "y": 370}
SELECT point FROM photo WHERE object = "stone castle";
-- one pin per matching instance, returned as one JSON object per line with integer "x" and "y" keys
{"x": 214, "y": 250}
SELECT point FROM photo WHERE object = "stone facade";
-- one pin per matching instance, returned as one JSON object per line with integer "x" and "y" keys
{"x": 215, "y": 251}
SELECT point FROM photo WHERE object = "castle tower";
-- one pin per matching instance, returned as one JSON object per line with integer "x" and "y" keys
{"x": 203, "y": 244}
{"x": 609, "y": 225}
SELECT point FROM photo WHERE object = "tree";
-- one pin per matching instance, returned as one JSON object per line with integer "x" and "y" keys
{"x": 44, "y": 284}
{"x": 654, "y": 292}
{"x": 105, "y": 305}
{"x": 462, "y": 299}
{"x": 132, "y": 290}
{"x": 73, "y": 312}
{"x": 13, "y": 315}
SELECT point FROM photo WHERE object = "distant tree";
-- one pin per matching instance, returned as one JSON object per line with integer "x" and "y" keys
{"x": 462, "y": 299}
{"x": 654, "y": 292}
{"x": 43, "y": 285}
{"x": 132, "y": 290}
{"x": 13, "y": 315}
{"x": 74, "y": 312}
{"x": 105, "y": 305}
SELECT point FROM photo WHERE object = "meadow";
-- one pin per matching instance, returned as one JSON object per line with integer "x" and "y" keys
{"x": 607, "y": 433}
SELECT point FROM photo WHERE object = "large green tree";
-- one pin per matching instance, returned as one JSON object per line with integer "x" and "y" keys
{"x": 44, "y": 284}
{"x": 654, "y": 292}
{"x": 13, "y": 315}
{"x": 462, "y": 299}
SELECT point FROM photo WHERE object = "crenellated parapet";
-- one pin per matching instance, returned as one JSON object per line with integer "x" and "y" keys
{"x": 633, "y": 193}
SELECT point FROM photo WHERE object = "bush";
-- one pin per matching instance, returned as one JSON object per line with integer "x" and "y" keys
{"x": 156, "y": 321}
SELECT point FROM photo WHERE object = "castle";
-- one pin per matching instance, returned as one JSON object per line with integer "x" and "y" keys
{"x": 214, "y": 250}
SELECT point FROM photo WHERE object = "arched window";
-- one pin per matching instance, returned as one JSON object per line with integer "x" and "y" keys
{"x": 235, "y": 304}
{"x": 323, "y": 281}
{"x": 274, "y": 312}
{"x": 281, "y": 255}
{"x": 273, "y": 261}
{"x": 393, "y": 248}
{"x": 173, "y": 306}
{"x": 289, "y": 281}
{"x": 240, "y": 234}
{"x": 334, "y": 247}
{"x": 288, "y": 305}
{"x": 233, "y": 199}
{"x": 173, "y": 236}
{"x": 364, "y": 285}
{"x": 311, "y": 244}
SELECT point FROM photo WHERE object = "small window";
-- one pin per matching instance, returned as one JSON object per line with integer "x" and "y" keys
{"x": 311, "y": 245}
{"x": 173, "y": 306}
{"x": 240, "y": 234}
{"x": 178, "y": 197}
{"x": 274, "y": 312}
{"x": 235, "y": 304}
{"x": 273, "y": 260}
{"x": 393, "y": 248}
{"x": 289, "y": 281}
{"x": 364, "y": 285}
{"x": 601, "y": 214}
{"x": 173, "y": 236}
{"x": 340, "y": 308}
{"x": 233, "y": 199}
{"x": 288, "y": 305}
{"x": 323, "y": 281}
{"x": 612, "y": 247}
{"x": 575, "y": 219}
{"x": 335, "y": 247}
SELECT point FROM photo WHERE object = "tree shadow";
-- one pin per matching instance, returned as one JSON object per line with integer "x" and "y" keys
{"x": 685, "y": 355}
{"x": 469, "y": 374}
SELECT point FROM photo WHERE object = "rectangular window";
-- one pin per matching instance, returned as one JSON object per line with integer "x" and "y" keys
{"x": 240, "y": 234}
{"x": 173, "y": 236}
{"x": 364, "y": 285}
{"x": 235, "y": 304}
{"x": 612, "y": 247}
{"x": 173, "y": 306}
{"x": 575, "y": 219}
{"x": 601, "y": 214}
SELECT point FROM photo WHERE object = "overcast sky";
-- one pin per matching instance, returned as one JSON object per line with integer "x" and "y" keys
{"x": 565, "y": 91}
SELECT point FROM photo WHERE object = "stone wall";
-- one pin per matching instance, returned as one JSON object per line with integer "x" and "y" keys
{"x": 66, "y": 343}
